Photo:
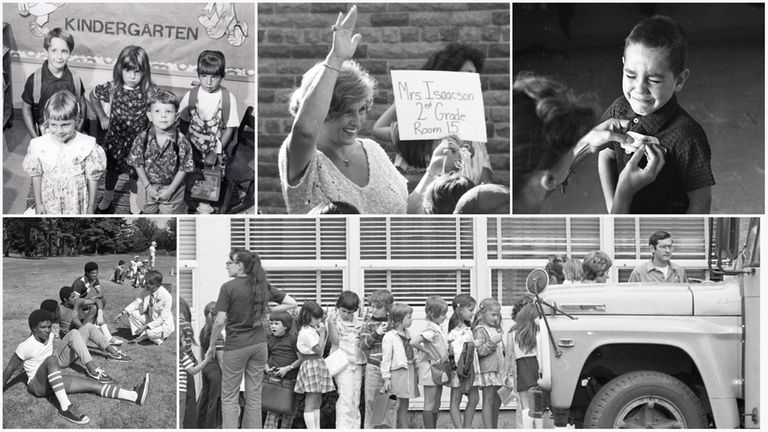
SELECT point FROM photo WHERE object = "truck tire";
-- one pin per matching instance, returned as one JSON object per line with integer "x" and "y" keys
{"x": 645, "y": 399}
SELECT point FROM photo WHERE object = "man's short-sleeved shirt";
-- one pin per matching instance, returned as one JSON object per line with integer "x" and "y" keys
{"x": 32, "y": 353}
{"x": 83, "y": 287}
{"x": 647, "y": 272}
{"x": 161, "y": 163}
{"x": 236, "y": 299}
{"x": 687, "y": 159}
{"x": 50, "y": 84}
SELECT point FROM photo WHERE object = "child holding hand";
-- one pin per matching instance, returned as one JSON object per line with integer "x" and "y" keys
{"x": 64, "y": 164}
{"x": 283, "y": 361}
{"x": 344, "y": 328}
{"x": 459, "y": 333}
{"x": 397, "y": 361}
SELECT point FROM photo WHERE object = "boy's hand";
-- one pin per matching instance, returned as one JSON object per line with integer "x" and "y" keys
{"x": 165, "y": 195}
{"x": 40, "y": 209}
{"x": 386, "y": 386}
{"x": 152, "y": 192}
{"x": 281, "y": 372}
{"x": 611, "y": 130}
{"x": 104, "y": 122}
{"x": 382, "y": 329}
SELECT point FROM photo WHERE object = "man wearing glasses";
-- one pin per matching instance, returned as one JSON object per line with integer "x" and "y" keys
{"x": 660, "y": 267}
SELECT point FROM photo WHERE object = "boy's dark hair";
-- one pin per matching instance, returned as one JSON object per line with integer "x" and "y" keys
{"x": 65, "y": 292}
{"x": 49, "y": 305}
{"x": 445, "y": 192}
{"x": 284, "y": 317}
{"x": 121, "y": 262}
{"x": 381, "y": 297}
{"x": 90, "y": 266}
{"x": 653, "y": 240}
{"x": 665, "y": 34}
{"x": 163, "y": 97}
{"x": 348, "y": 300}
{"x": 154, "y": 277}
{"x": 211, "y": 63}
{"x": 453, "y": 56}
{"x": 59, "y": 33}
{"x": 38, "y": 316}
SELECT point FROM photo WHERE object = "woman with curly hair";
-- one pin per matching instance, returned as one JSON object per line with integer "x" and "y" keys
{"x": 596, "y": 265}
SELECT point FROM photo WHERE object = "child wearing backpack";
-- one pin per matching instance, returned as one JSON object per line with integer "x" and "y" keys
{"x": 161, "y": 156}
{"x": 211, "y": 112}
{"x": 52, "y": 77}
{"x": 461, "y": 346}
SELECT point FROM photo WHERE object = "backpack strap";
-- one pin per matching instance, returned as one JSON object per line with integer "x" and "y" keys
{"x": 225, "y": 101}
{"x": 185, "y": 114}
{"x": 37, "y": 82}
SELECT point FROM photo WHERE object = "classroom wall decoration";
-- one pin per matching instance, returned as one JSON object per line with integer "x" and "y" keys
{"x": 173, "y": 34}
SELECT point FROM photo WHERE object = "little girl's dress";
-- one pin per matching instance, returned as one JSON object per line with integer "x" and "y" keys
{"x": 65, "y": 170}
{"x": 127, "y": 118}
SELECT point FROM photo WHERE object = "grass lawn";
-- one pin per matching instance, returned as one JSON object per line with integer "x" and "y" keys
{"x": 29, "y": 281}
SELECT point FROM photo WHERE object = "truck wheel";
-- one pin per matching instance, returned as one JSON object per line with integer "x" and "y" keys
{"x": 645, "y": 399}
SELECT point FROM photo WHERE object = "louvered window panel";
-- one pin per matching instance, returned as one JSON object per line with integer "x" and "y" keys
{"x": 322, "y": 286}
{"x": 414, "y": 286}
{"x": 187, "y": 239}
{"x": 689, "y": 235}
{"x": 536, "y": 238}
{"x": 510, "y": 283}
{"x": 186, "y": 282}
{"x": 292, "y": 238}
{"x": 416, "y": 238}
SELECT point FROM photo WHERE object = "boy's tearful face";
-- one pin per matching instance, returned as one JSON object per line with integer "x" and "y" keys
{"x": 648, "y": 82}
{"x": 210, "y": 83}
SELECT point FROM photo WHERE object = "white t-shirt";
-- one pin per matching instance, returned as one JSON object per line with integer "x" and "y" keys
{"x": 307, "y": 339}
{"x": 207, "y": 104}
{"x": 33, "y": 353}
{"x": 663, "y": 270}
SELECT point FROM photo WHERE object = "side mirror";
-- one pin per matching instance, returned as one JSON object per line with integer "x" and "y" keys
{"x": 537, "y": 281}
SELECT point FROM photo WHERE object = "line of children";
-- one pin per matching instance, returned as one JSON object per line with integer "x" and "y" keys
{"x": 384, "y": 357}
{"x": 54, "y": 109}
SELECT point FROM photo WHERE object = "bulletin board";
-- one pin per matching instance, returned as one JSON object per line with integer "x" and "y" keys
{"x": 173, "y": 34}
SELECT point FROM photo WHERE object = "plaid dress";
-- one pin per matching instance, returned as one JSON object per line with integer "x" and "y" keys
{"x": 314, "y": 376}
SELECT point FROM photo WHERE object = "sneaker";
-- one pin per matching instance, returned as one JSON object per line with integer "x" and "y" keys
{"x": 115, "y": 341}
{"x": 73, "y": 415}
{"x": 100, "y": 376}
{"x": 118, "y": 357}
{"x": 142, "y": 390}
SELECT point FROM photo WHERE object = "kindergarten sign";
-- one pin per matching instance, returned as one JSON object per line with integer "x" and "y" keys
{"x": 435, "y": 104}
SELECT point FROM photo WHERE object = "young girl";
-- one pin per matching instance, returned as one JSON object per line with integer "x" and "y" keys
{"x": 433, "y": 344}
{"x": 209, "y": 404}
{"x": 524, "y": 335}
{"x": 314, "y": 378}
{"x": 125, "y": 116}
{"x": 486, "y": 329}
{"x": 64, "y": 164}
{"x": 188, "y": 367}
{"x": 397, "y": 368}
{"x": 459, "y": 331}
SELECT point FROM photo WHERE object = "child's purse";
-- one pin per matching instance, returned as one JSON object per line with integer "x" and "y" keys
{"x": 336, "y": 362}
{"x": 277, "y": 394}
{"x": 384, "y": 411}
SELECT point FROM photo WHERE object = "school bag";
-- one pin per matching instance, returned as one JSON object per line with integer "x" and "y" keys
{"x": 185, "y": 116}
{"x": 465, "y": 366}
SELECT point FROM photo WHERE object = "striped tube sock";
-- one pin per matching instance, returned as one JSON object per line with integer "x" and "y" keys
{"x": 317, "y": 419}
{"x": 105, "y": 332}
{"x": 57, "y": 384}
{"x": 114, "y": 392}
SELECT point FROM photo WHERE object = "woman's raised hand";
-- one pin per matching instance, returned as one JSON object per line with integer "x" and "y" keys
{"x": 345, "y": 39}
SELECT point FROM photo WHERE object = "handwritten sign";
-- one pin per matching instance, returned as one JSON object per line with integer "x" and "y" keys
{"x": 435, "y": 104}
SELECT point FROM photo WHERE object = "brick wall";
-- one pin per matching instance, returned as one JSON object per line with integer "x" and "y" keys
{"x": 292, "y": 37}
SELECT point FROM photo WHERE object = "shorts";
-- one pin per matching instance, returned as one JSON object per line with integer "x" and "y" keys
{"x": 527, "y": 373}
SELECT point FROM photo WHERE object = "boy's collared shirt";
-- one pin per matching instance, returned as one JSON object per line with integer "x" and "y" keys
{"x": 349, "y": 339}
{"x": 159, "y": 162}
{"x": 687, "y": 159}
{"x": 648, "y": 272}
{"x": 50, "y": 84}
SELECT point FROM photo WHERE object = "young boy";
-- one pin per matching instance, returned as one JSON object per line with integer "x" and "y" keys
{"x": 211, "y": 112}
{"x": 161, "y": 156}
{"x": 119, "y": 274}
{"x": 283, "y": 361}
{"x": 654, "y": 70}
{"x": 371, "y": 336}
{"x": 150, "y": 313}
{"x": 43, "y": 365}
{"x": 53, "y": 75}
{"x": 344, "y": 330}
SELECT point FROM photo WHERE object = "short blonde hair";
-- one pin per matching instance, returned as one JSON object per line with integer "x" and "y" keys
{"x": 353, "y": 85}
{"x": 63, "y": 105}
